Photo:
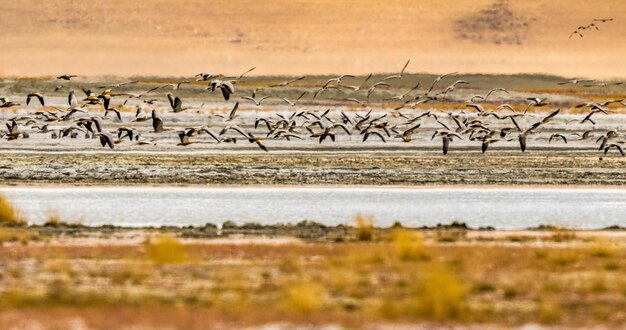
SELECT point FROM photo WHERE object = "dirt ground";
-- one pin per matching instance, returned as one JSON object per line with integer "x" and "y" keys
{"x": 309, "y": 37}
{"x": 367, "y": 167}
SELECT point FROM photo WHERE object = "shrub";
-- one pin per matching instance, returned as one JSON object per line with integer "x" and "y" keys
{"x": 128, "y": 273}
{"x": 561, "y": 234}
{"x": 9, "y": 215}
{"x": 442, "y": 296}
{"x": 17, "y": 235}
{"x": 166, "y": 249}
{"x": 364, "y": 227}
{"x": 408, "y": 245}
{"x": 549, "y": 311}
{"x": 603, "y": 249}
{"x": 54, "y": 219}
{"x": 564, "y": 258}
{"x": 304, "y": 297}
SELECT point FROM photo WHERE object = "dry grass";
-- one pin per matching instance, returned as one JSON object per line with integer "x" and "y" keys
{"x": 12, "y": 234}
{"x": 165, "y": 249}
{"x": 409, "y": 245}
{"x": 364, "y": 227}
{"x": 406, "y": 276}
{"x": 304, "y": 297}
{"x": 9, "y": 215}
{"x": 441, "y": 296}
{"x": 562, "y": 234}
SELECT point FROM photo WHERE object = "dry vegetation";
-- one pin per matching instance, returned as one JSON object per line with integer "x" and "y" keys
{"x": 59, "y": 273}
{"x": 9, "y": 215}
{"x": 401, "y": 276}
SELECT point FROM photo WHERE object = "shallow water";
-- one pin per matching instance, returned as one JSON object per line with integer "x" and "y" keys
{"x": 500, "y": 208}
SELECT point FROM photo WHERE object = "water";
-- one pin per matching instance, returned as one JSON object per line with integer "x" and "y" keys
{"x": 500, "y": 208}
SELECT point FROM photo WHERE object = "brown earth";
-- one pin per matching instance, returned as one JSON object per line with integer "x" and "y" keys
{"x": 168, "y": 37}
{"x": 402, "y": 168}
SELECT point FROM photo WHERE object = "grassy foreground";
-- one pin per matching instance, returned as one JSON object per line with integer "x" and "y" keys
{"x": 60, "y": 275}
{"x": 54, "y": 277}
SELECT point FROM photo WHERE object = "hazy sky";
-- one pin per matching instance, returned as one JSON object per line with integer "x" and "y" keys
{"x": 174, "y": 37}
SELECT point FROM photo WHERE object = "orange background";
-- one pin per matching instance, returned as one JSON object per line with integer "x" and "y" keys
{"x": 183, "y": 37}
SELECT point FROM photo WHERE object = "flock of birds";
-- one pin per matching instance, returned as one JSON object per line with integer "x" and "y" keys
{"x": 474, "y": 122}
{"x": 594, "y": 25}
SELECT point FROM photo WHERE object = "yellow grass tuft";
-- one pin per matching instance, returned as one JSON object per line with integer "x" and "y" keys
{"x": 16, "y": 235}
{"x": 166, "y": 249}
{"x": 9, "y": 215}
{"x": 603, "y": 249}
{"x": 409, "y": 245}
{"x": 562, "y": 234}
{"x": 364, "y": 227}
{"x": 128, "y": 273}
{"x": 442, "y": 296}
{"x": 304, "y": 297}
{"x": 565, "y": 257}
{"x": 54, "y": 218}
{"x": 549, "y": 311}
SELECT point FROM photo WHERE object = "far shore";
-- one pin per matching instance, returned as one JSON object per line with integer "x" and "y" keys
{"x": 52, "y": 185}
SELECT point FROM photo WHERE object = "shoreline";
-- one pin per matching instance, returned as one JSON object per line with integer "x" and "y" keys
{"x": 503, "y": 187}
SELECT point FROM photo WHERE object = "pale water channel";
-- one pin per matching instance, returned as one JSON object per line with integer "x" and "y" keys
{"x": 155, "y": 206}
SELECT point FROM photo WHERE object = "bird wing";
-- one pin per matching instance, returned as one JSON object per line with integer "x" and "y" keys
{"x": 550, "y": 116}
{"x": 444, "y": 125}
{"x": 404, "y": 67}
{"x": 40, "y": 97}
{"x": 294, "y": 80}
{"x": 240, "y": 131}
{"x": 233, "y": 112}
{"x": 157, "y": 124}
{"x": 301, "y": 96}
{"x": 379, "y": 135}
{"x": 170, "y": 97}
{"x": 261, "y": 145}
{"x": 351, "y": 99}
{"x": 243, "y": 74}
{"x": 344, "y": 127}
{"x": 178, "y": 104}
{"x": 286, "y": 101}
{"x": 228, "y": 85}
{"x": 117, "y": 112}
{"x": 478, "y": 107}
{"x": 108, "y": 140}
{"x": 410, "y": 130}
{"x": 71, "y": 99}
{"x": 211, "y": 134}
{"x": 364, "y": 81}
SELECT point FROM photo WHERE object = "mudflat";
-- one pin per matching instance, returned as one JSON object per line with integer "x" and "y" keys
{"x": 367, "y": 167}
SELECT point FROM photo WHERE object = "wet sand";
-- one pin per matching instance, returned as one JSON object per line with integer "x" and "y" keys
{"x": 396, "y": 168}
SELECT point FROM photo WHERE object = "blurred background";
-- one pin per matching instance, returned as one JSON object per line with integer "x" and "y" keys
{"x": 183, "y": 37}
